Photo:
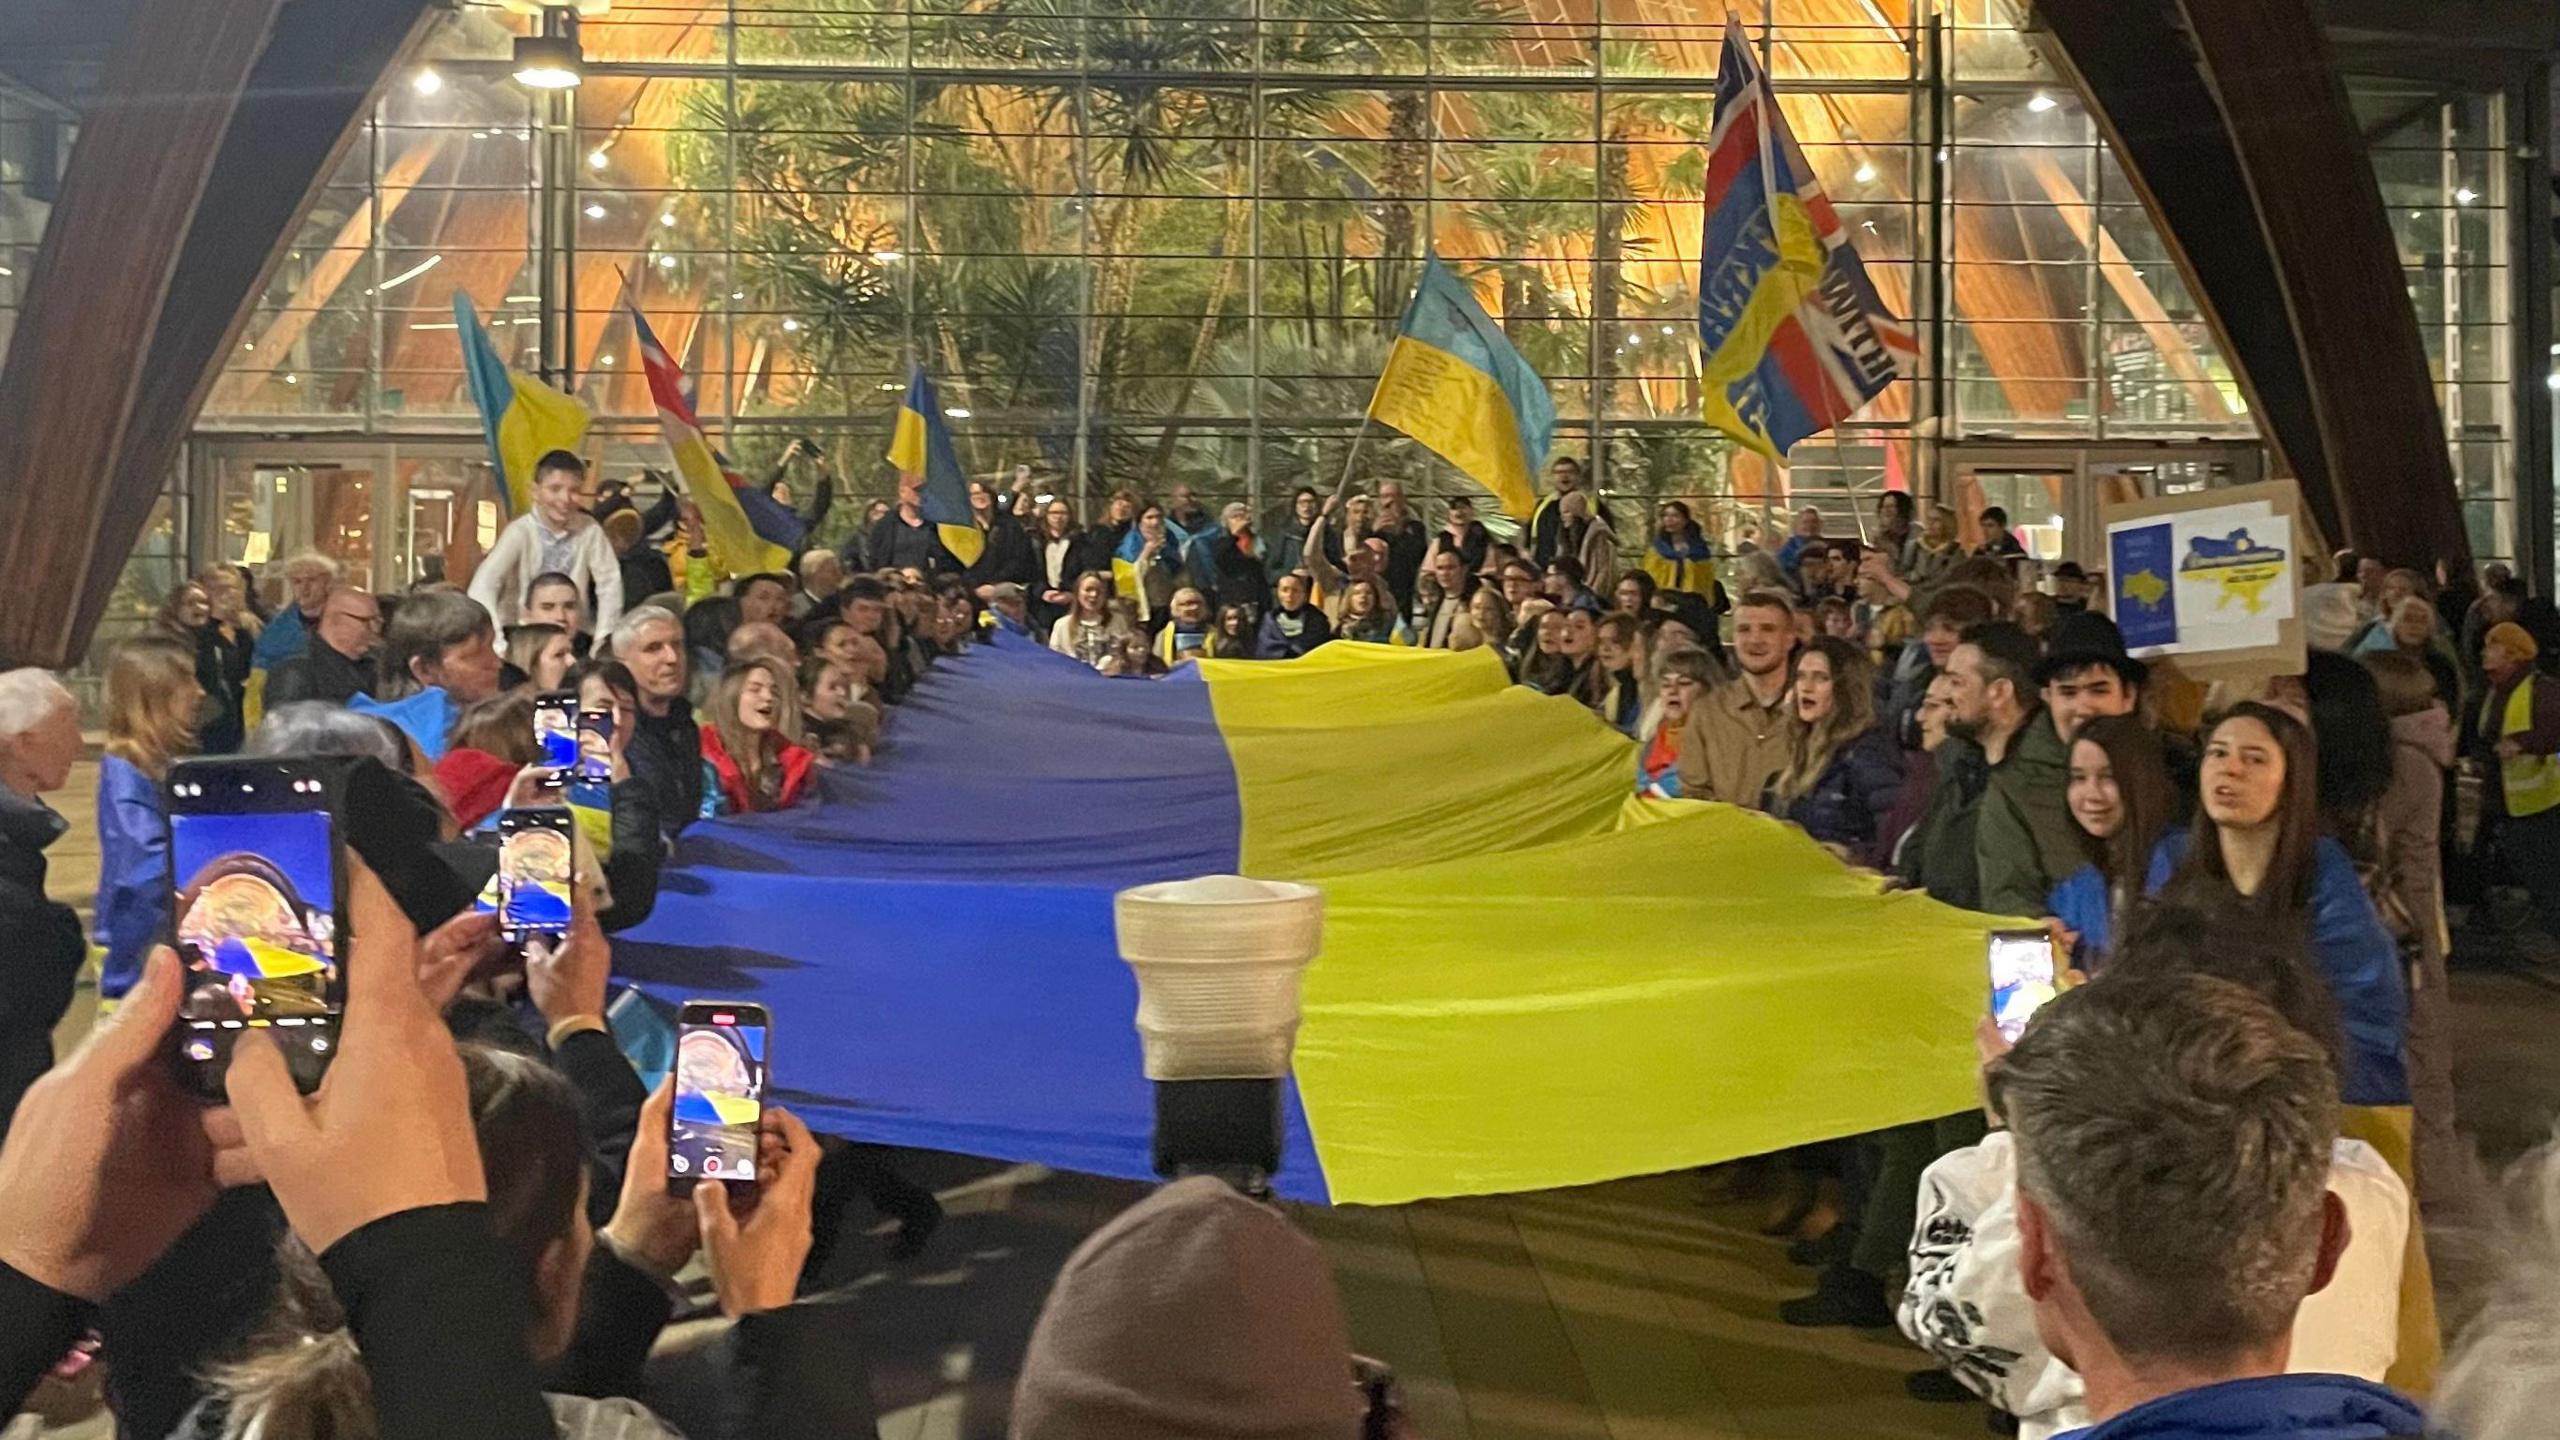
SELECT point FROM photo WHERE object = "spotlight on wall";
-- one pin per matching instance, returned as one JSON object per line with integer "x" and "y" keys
{"x": 2041, "y": 102}
{"x": 426, "y": 82}
{"x": 551, "y": 60}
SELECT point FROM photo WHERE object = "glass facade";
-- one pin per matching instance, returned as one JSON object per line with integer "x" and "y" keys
{"x": 1146, "y": 241}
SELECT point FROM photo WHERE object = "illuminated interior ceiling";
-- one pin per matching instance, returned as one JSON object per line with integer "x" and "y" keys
{"x": 467, "y": 194}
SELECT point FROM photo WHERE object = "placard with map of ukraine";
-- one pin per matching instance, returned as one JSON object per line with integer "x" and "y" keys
{"x": 2203, "y": 580}
{"x": 2140, "y": 561}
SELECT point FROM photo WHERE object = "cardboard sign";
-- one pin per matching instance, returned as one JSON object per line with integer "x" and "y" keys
{"x": 2213, "y": 578}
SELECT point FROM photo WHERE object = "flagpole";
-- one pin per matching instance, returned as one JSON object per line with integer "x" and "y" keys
{"x": 1342, "y": 491}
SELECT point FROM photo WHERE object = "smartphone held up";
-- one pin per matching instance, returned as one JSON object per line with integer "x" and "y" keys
{"x": 2023, "y": 977}
{"x": 537, "y": 864}
{"x": 257, "y": 915}
{"x": 714, "y": 1127}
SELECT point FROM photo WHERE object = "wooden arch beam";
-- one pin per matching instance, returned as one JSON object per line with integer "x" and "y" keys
{"x": 216, "y": 121}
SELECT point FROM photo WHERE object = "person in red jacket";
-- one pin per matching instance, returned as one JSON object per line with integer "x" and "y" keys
{"x": 752, "y": 754}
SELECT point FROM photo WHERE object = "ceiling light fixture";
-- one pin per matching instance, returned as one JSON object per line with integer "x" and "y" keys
{"x": 551, "y": 60}
{"x": 426, "y": 82}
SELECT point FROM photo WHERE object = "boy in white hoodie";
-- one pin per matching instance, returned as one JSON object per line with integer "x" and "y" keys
{"x": 555, "y": 537}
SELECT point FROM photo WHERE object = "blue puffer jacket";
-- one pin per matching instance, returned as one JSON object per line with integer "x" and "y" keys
{"x": 1848, "y": 803}
{"x": 2276, "y": 1407}
{"x": 133, "y": 873}
{"x": 2360, "y": 961}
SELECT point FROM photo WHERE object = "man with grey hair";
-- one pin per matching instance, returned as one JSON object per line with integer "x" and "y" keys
{"x": 308, "y": 577}
{"x": 821, "y": 574}
{"x": 2174, "y": 1139}
{"x": 41, "y": 957}
{"x": 665, "y": 748}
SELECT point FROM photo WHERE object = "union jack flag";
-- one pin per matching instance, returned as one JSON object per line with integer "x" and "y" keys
{"x": 1792, "y": 337}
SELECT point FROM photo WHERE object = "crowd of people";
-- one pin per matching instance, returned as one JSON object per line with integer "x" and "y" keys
{"x": 2176, "y": 1213}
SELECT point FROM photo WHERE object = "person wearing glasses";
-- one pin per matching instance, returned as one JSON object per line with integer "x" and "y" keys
{"x": 337, "y": 665}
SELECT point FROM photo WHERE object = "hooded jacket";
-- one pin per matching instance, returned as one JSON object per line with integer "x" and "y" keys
{"x": 1197, "y": 1314}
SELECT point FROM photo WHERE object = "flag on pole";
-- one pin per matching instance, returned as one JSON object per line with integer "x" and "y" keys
{"x": 1792, "y": 337}
{"x": 523, "y": 418}
{"x": 920, "y": 447}
{"x": 747, "y": 530}
{"x": 1455, "y": 383}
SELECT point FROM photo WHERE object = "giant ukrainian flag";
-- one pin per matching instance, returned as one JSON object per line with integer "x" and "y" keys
{"x": 920, "y": 446}
{"x": 1454, "y": 382}
{"x": 1529, "y": 977}
{"x": 523, "y": 418}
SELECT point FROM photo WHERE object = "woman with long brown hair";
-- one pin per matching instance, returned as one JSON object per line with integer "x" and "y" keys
{"x": 2257, "y": 837}
{"x": 154, "y": 702}
{"x": 2121, "y": 800}
{"x": 1844, "y": 770}
{"x": 752, "y": 752}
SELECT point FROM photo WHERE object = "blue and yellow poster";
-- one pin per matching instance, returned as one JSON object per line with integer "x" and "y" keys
{"x": 2214, "y": 574}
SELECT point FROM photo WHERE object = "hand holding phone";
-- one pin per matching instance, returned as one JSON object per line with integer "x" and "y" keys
{"x": 720, "y": 1070}
{"x": 2024, "y": 976}
{"x": 107, "y": 1161}
{"x": 391, "y": 1130}
{"x": 755, "y": 1264}
{"x": 649, "y": 1223}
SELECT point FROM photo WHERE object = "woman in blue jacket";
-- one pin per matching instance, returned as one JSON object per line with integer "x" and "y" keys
{"x": 2257, "y": 835}
{"x": 153, "y": 700}
{"x": 1846, "y": 770}
{"x": 2121, "y": 801}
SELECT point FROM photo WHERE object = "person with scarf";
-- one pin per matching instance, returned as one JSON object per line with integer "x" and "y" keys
{"x": 1678, "y": 557}
{"x": 1293, "y": 627}
{"x": 1147, "y": 567}
{"x": 1187, "y": 638}
{"x": 1687, "y": 675}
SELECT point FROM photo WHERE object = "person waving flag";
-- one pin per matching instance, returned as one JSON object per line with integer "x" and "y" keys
{"x": 1455, "y": 383}
{"x": 749, "y": 532}
{"x": 1792, "y": 337}
{"x": 920, "y": 447}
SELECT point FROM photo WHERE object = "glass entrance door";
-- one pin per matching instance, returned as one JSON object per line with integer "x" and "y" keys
{"x": 390, "y": 514}
{"x": 2056, "y": 495}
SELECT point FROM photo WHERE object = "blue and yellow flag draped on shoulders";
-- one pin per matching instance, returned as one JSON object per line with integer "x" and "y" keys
{"x": 920, "y": 447}
{"x": 524, "y": 418}
{"x": 1455, "y": 382}
{"x": 1792, "y": 337}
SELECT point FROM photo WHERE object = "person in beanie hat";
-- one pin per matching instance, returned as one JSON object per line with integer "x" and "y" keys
{"x": 2086, "y": 673}
{"x": 1197, "y": 1314}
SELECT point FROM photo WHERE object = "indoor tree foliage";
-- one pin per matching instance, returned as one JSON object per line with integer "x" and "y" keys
{"x": 1074, "y": 158}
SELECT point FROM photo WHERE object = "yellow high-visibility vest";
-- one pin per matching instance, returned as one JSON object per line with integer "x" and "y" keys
{"x": 2531, "y": 782}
